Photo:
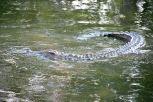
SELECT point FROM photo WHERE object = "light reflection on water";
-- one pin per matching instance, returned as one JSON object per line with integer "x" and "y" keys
{"x": 55, "y": 24}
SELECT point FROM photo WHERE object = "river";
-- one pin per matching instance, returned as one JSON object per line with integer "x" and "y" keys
{"x": 41, "y": 25}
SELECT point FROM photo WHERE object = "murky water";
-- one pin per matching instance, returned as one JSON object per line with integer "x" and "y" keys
{"x": 55, "y": 24}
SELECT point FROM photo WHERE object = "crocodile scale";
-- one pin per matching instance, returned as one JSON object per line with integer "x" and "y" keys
{"x": 133, "y": 40}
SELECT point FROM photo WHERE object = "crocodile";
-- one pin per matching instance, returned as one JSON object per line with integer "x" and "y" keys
{"x": 133, "y": 42}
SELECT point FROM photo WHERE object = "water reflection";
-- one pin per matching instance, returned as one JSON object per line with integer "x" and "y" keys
{"x": 97, "y": 12}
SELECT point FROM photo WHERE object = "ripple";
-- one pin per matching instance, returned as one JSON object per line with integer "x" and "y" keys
{"x": 10, "y": 96}
{"x": 36, "y": 83}
{"x": 128, "y": 98}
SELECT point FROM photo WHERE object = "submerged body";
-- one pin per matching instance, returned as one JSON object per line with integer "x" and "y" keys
{"x": 133, "y": 40}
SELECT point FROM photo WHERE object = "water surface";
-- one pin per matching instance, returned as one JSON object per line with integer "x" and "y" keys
{"x": 54, "y": 24}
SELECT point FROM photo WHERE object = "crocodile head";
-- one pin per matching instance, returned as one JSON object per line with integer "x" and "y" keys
{"x": 51, "y": 55}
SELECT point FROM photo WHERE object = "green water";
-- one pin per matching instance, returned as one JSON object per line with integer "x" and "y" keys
{"x": 55, "y": 24}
